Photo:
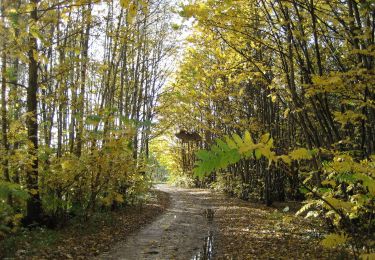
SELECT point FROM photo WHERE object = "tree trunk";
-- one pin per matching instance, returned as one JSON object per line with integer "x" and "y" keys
{"x": 34, "y": 208}
{"x": 4, "y": 116}
{"x": 81, "y": 98}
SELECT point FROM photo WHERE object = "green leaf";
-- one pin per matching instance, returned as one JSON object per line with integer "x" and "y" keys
{"x": 231, "y": 144}
{"x": 202, "y": 154}
{"x": 222, "y": 145}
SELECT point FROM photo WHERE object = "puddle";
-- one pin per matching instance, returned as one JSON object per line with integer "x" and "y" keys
{"x": 209, "y": 215}
{"x": 153, "y": 252}
{"x": 206, "y": 252}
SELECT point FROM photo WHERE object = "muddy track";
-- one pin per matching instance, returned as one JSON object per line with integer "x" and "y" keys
{"x": 185, "y": 231}
{"x": 238, "y": 230}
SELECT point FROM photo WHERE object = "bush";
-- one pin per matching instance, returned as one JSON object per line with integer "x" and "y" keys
{"x": 183, "y": 181}
{"x": 346, "y": 202}
{"x": 12, "y": 207}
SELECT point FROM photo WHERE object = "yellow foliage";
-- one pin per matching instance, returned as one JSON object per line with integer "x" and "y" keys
{"x": 348, "y": 116}
{"x": 285, "y": 158}
{"x": 125, "y": 3}
{"x": 33, "y": 191}
{"x": 340, "y": 204}
{"x": 247, "y": 138}
{"x": 370, "y": 256}
{"x": 333, "y": 240}
{"x": 329, "y": 182}
{"x": 300, "y": 154}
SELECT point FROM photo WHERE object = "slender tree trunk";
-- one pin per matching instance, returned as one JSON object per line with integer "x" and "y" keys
{"x": 34, "y": 209}
{"x": 4, "y": 116}
{"x": 81, "y": 98}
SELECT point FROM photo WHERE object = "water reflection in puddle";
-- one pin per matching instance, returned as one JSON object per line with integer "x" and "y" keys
{"x": 206, "y": 252}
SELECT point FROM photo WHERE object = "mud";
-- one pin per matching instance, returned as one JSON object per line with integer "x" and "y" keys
{"x": 186, "y": 231}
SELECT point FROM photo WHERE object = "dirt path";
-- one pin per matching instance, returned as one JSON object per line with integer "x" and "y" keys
{"x": 183, "y": 232}
{"x": 239, "y": 230}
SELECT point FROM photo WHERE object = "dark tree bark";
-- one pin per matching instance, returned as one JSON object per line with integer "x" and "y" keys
{"x": 34, "y": 209}
{"x": 4, "y": 116}
{"x": 81, "y": 98}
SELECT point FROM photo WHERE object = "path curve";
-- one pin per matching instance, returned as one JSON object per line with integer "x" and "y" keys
{"x": 183, "y": 232}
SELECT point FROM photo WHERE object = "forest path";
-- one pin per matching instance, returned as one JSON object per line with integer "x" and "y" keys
{"x": 239, "y": 230}
{"x": 183, "y": 232}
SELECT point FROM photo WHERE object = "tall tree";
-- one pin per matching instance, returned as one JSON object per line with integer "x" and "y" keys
{"x": 34, "y": 207}
{"x": 4, "y": 116}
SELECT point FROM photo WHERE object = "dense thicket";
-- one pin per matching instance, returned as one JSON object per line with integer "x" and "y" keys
{"x": 79, "y": 82}
{"x": 302, "y": 71}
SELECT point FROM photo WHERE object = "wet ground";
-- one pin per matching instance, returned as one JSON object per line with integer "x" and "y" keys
{"x": 185, "y": 231}
{"x": 204, "y": 225}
